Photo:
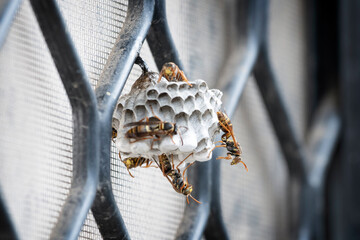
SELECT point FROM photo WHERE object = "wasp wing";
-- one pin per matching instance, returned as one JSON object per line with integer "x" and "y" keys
{"x": 141, "y": 123}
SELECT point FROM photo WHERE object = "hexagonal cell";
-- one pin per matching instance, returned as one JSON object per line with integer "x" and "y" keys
{"x": 153, "y": 103}
{"x": 177, "y": 103}
{"x": 164, "y": 99}
{"x": 115, "y": 123}
{"x": 199, "y": 97}
{"x": 167, "y": 112}
{"x": 182, "y": 119}
{"x": 140, "y": 111}
{"x": 152, "y": 94}
{"x": 183, "y": 87}
{"x": 207, "y": 115}
{"x": 195, "y": 118}
{"x": 189, "y": 104}
{"x": 202, "y": 87}
{"x": 201, "y": 145}
{"x": 172, "y": 87}
{"x": 212, "y": 101}
{"x": 129, "y": 115}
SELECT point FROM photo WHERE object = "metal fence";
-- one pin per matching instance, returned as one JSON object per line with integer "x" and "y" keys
{"x": 91, "y": 186}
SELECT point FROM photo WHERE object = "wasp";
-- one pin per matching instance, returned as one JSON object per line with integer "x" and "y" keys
{"x": 174, "y": 176}
{"x": 232, "y": 146}
{"x": 172, "y": 73}
{"x": 233, "y": 150}
{"x": 114, "y": 134}
{"x": 133, "y": 162}
{"x": 151, "y": 129}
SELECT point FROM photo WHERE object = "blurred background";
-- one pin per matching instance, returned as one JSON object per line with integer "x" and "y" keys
{"x": 314, "y": 54}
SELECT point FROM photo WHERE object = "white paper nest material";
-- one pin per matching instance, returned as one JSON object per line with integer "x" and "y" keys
{"x": 192, "y": 108}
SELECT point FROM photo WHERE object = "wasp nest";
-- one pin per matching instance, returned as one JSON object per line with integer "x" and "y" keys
{"x": 192, "y": 108}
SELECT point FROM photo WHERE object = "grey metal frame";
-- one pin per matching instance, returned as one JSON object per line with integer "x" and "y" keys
{"x": 91, "y": 184}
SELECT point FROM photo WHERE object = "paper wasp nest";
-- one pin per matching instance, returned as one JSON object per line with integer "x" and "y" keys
{"x": 192, "y": 108}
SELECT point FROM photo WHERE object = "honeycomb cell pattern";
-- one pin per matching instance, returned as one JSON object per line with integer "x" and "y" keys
{"x": 192, "y": 108}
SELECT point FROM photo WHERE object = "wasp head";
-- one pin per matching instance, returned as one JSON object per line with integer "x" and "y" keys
{"x": 187, "y": 189}
{"x": 168, "y": 70}
{"x": 169, "y": 127}
{"x": 128, "y": 163}
{"x": 238, "y": 160}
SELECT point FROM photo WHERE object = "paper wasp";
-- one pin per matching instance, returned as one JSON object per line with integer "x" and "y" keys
{"x": 114, "y": 134}
{"x": 232, "y": 146}
{"x": 133, "y": 162}
{"x": 232, "y": 151}
{"x": 174, "y": 176}
{"x": 172, "y": 73}
{"x": 154, "y": 129}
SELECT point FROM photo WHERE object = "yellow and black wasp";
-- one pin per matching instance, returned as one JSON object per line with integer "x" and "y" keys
{"x": 133, "y": 162}
{"x": 233, "y": 147}
{"x": 174, "y": 176}
{"x": 172, "y": 73}
{"x": 114, "y": 134}
{"x": 154, "y": 129}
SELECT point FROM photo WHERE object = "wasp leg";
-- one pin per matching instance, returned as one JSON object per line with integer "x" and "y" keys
{"x": 172, "y": 161}
{"x": 224, "y": 145}
{"x": 177, "y": 167}
{"x": 184, "y": 78}
{"x": 171, "y": 138}
{"x": 148, "y": 165}
{"x": 154, "y": 140}
{"x": 163, "y": 170}
{"x": 187, "y": 168}
{"x": 195, "y": 199}
{"x": 152, "y": 110}
{"x": 228, "y": 157}
{"x": 160, "y": 76}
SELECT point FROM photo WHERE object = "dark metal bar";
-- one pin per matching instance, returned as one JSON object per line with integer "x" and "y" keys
{"x": 285, "y": 132}
{"x": 237, "y": 71}
{"x": 279, "y": 115}
{"x": 108, "y": 90}
{"x": 159, "y": 38}
{"x": 164, "y": 50}
{"x": 324, "y": 135}
{"x": 345, "y": 221}
{"x": 8, "y": 10}
{"x": 85, "y": 120}
{"x": 7, "y": 228}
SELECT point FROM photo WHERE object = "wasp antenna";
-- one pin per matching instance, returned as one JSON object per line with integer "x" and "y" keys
{"x": 160, "y": 76}
{"x": 187, "y": 168}
{"x": 195, "y": 199}
{"x": 187, "y": 199}
{"x": 245, "y": 166}
{"x": 216, "y": 147}
{"x": 130, "y": 173}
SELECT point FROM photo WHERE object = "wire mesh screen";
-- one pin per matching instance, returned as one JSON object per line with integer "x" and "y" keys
{"x": 36, "y": 130}
{"x": 36, "y": 126}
